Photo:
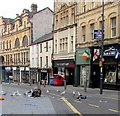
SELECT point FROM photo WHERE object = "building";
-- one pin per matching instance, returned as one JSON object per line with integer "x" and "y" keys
{"x": 41, "y": 58}
{"x": 15, "y": 37}
{"x": 42, "y": 29}
{"x": 64, "y": 39}
{"x": 89, "y": 18}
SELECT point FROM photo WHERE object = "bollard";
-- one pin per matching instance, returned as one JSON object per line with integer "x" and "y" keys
{"x": 85, "y": 85}
{"x": 65, "y": 84}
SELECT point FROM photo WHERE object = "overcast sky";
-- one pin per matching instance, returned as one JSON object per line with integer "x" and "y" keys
{"x": 9, "y": 8}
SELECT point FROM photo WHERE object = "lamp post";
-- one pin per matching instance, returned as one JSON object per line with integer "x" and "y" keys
{"x": 101, "y": 57}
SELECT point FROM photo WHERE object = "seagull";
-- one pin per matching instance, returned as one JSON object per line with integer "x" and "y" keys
{"x": 47, "y": 91}
{"x": 79, "y": 94}
{"x": 63, "y": 93}
{"x": 58, "y": 90}
{"x": 73, "y": 92}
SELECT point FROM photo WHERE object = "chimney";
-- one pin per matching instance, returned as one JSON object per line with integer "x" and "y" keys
{"x": 34, "y": 8}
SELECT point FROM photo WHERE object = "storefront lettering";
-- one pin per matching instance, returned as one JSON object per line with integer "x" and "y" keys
{"x": 109, "y": 52}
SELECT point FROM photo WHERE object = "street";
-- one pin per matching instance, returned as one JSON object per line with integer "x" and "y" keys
{"x": 28, "y": 105}
{"x": 53, "y": 102}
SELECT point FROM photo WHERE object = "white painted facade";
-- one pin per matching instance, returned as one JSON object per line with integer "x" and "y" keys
{"x": 36, "y": 55}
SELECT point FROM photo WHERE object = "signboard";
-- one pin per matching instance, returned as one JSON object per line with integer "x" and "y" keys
{"x": 97, "y": 34}
{"x": 109, "y": 52}
{"x": 8, "y": 68}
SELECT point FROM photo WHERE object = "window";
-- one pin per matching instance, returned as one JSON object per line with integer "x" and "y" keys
{"x": 6, "y": 44}
{"x": 110, "y": 74}
{"x": 25, "y": 41}
{"x": 56, "y": 18}
{"x": 66, "y": 43}
{"x": 10, "y": 44}
{"x": 17, "y": 43}
{"x": 71, "y": 43}
{"x": 46, "y": 46}
{"x": 16, "y": 27}
{"x": 55, "y": 46}
{"x": 46, "y": 61}
{"x": 41, "y": 62}
{"x": 93, "y": 3}
{"x": 24, "y": 24}
{"x": 60, "y": 44}
{"x": 40, "y": 48}
{"x": 84, "y": 33}
{"x": 3, "y": 45}
{"x": 84, "y": 5}
{"x": 113, "y": 26}
{"x": 92, "y": 29}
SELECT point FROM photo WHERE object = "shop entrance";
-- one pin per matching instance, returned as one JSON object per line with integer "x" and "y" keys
{"x": 96, "y": 76}
{"x": 69, "y": 76}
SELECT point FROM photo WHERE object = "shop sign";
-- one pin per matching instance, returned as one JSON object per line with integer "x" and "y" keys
{"x": 43, "y": 70}
{"x": 109, "y": 52}
{"x": 80, "y": 52}
{"x": 8, "y": 68}
{"x": 14, "y": 68}
{"x": 27, "y": 68}
{"x": 21, "y": 68}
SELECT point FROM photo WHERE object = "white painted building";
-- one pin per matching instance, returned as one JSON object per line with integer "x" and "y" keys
{"x": 41, "y": 57}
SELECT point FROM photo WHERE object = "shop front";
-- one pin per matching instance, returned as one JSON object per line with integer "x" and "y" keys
{"x": 33, "y": 75}
{"x": 65, "y": 68}
{"x": 111, "y": 67}
{"x": 45, "y": 75}
{"x": 82, "y": 69}
{"x": 8, "y": 74}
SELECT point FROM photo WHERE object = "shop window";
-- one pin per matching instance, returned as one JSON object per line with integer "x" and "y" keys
{"x": 110, "y": 74}
{"x": 118, "y": 74}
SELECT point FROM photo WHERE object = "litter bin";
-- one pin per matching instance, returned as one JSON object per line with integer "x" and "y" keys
{"x": 51, "y": 81}
{"x": 58, "y": 79}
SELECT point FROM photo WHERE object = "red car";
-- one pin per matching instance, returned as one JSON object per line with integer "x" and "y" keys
{"x": 58, "y": 79}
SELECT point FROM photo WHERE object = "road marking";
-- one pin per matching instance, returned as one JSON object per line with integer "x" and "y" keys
{"x": 114, "y": 110}
{"x": 77, "y": 101}
{"x": 71, "y": 106}
{"x": 94, "y": 105}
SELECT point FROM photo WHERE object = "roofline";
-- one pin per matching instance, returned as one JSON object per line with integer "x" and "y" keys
{"x": 41, "y": 41}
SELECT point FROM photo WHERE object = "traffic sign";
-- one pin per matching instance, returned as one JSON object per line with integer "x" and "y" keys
{"x": 98, "y": 34}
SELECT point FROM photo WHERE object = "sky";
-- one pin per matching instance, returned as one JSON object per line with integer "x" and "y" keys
{"x": 9, "y": 8}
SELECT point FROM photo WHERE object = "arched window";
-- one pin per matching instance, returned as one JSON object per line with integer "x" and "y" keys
{"x": 25, "y": 41}
{"x": 17, "y": 43}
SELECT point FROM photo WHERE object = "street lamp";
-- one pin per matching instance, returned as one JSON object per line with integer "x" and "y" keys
{"x": 101, "y": 57}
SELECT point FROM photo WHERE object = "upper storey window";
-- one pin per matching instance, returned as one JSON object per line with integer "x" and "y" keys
{"x": 113, "y": 26}
{"x": 25, "y": 41}
{"x": 17, "y": 43}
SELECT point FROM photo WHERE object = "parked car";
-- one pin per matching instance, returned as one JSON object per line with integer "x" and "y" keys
{"x": 58, "y": 79}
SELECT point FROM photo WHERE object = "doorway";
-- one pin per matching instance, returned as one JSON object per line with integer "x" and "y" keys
{"x": 96, "y": 76}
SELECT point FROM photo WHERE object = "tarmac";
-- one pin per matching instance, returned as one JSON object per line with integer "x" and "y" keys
{"x": 112, "y": 94}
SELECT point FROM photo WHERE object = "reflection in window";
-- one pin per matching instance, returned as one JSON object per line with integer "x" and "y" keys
{"x": 110, "y": 74}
